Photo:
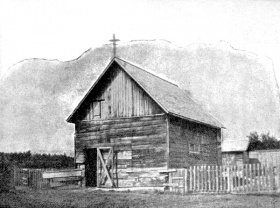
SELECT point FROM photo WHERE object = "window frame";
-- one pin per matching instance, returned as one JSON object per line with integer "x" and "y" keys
{"x": 195, "y": 142}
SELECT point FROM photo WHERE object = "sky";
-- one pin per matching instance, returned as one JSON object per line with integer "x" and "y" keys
{"x": 63, "y": 30}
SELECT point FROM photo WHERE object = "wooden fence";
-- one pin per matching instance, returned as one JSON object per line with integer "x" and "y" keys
{"x": 42, "y": 179}
{"x": 250, "y": 178}
{"x": 31, "y": 178}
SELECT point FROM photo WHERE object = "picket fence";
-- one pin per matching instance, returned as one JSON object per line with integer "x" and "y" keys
{"x": 249, "y": 178}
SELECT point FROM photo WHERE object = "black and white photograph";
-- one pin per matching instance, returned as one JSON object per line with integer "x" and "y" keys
{"x": 140, "y": 103}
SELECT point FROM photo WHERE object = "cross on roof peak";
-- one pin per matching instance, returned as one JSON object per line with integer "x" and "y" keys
{"x": 114, "y": 40}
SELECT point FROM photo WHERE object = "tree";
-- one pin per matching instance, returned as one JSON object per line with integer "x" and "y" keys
{"x": 262, "y": 141}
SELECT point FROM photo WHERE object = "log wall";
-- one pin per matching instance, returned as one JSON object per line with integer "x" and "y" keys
{"x": 139, "y": 144}
{"x": 182, "y": 133}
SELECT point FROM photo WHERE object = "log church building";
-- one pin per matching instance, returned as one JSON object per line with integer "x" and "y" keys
{"x": 132, "y": 126}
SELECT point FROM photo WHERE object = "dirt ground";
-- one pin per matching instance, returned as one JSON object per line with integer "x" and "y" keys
{"x": 96, "y": 198}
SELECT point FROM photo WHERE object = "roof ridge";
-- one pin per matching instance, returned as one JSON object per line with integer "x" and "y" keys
{"x": 135, "y": 65}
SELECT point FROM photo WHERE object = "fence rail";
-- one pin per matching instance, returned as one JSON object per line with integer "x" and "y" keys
{"x": 42, "y": 179}
{"x": 249, "y": 178}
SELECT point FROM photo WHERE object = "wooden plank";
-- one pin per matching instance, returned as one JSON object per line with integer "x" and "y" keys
{"x": 198, "y": 177}
{"x": 206, "y": 178}
{"x": 104, "y": 166}
{"x": 149, "y": 129}
{"x": 119, "y": 124}
{"x": 234, "y": 178}
{"x": 278, "y": 173}
{"x": 61, "y": 174}
{"x": 217, "y": 178}
{"x": 263, "y": 178}
{"x": 237, "y": 179}
{"x": 265, "y": 168}
{"x": 228, "y": 179}
{"x": 254, "y": 177}
{"x": 271, "y": 177}
{"x": 259, "y": 177}
{"x": 170, "y": 181}
{"x": 203, "y": 179}
{"x": 247, "y": 176}
{"x": 191, "y": 178}
{"x": 186, "y": 187}
{"x": 123, "y": 120}
{"x": 268, "y": 178}
{"x": 211, "y": 177}
{"x": 225, "y": 178}
{"x": 112, "y": 168}
{"x": 194, "y": 177}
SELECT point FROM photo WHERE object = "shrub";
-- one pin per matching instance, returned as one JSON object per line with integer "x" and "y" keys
{"x": 6, "y": 174}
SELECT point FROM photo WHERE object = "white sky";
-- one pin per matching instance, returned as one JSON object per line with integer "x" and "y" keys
{"x": 61, "y": 29}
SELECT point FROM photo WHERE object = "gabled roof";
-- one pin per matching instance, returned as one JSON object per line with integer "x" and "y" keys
{"x": 168, "y": 96}
{"x": 235, "y": 145}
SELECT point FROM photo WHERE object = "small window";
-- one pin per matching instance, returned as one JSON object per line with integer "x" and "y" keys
{"x": 96, "y": 110}
{"x": 194, "y": 148}
{"x": 194, "y": 143}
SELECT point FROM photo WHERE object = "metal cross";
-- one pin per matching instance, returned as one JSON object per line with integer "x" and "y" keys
{"x": 114, "y": 40}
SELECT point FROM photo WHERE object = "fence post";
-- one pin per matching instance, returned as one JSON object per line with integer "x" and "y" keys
{"x": 185, "y": 180}
{"x": 170, "y": 181}
{"x": 209, "y": 178}
{"x": 273, "y": 178}
{"x": 228, "y": 179}
{"x": 191, "y": 178}
{"x": 194, "y": 178}
{"x": 217, "y": 178}
{"x": 278, "y": 173}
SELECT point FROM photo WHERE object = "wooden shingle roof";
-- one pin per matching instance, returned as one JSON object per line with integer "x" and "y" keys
{"x": 172, "y": 99}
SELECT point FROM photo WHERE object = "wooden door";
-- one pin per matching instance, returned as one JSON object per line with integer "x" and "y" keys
{"x": 105, "y": 167}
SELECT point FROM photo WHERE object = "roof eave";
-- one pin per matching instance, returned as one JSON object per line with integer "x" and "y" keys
{"x": 196, "y": 121}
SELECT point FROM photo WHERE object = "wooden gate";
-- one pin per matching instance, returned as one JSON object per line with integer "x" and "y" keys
{"x": 105, "y": 167}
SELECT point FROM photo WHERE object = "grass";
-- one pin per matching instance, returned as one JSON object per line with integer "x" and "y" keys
{"x": 92, "y": 198}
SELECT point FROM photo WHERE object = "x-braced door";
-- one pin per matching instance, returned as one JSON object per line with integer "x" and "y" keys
{"x": 105, "y": 167}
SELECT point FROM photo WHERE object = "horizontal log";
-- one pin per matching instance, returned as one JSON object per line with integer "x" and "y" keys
{"x": 171, "y": 184}
{"x": 116, "y": 148}
{"x": 62, "y": 174}
{"x": 126, "y": 119}
{"x": 179, "y": 146}
{"x": 119, "y": 122}
{"x": 122, "y": 133}
{"x": 134, "y": 139}
{"x": 104, "y": 127}
{"x": 167, "y": 171}
{"x": 151, "y": 139}
{"x": 113, "y": 130}
{"x": 149, "y": 164}
{"x": 177, "y": 178}
{"x": 151, "y": 147}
